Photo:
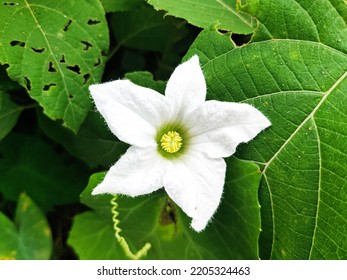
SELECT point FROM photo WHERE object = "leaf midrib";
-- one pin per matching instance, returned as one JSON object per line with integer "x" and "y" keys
{"x": 267, "y": 164}
{"x": 53, "y": 57}
{"x": 325, "y": 96}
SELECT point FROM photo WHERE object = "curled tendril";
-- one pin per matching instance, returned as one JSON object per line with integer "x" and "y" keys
{"x": 120, "y": 239}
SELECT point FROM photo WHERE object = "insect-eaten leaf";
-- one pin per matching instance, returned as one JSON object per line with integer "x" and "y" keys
{"x": 52, "y": 50}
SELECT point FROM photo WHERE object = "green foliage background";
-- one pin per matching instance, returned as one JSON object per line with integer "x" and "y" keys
{"x": 285, "y": 195}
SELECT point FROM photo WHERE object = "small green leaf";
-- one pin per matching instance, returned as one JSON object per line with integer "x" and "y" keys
{"x": 9, "y": 113}
{"x": 145, "y": 79}
{"x": 29, "y": 237}
{"x": 232, "y": 234}
{"x": 206, "y": 13}
{"x": 30, "y": 164}
{"x": 55, "y": 51}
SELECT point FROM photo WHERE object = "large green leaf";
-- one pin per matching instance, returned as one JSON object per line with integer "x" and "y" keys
{"x": 232, "y": 234}
{"x": 205, "y": 13}
{"x": 299, "y": 80}
{"x": 9, "y": 113}
{"x": 29, "y": 236}
{"x": 45, "y": 172}
{"x": 55, "y": 49}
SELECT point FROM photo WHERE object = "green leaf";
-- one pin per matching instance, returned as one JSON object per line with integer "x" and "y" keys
{"x": 208, "y": 45}
{"x": 323, "y": 22}
{"x": 145, "y": 79}
{"x": 29, "y": 237}
{"x": 30, "y": 164}
{"x": 232, "y": 234}
{"x": 55, "y": 50}
{"x": 206, "y": 13}
{"x": 111, "y": 6}
{"x": 100, "y": 203}
{"x": 299, "y": 80}
{"x": 9, "y": 113}
{"x": 8, "y": 238}
{"x": 94, "y": 143}
{"x": 92, "y": 238}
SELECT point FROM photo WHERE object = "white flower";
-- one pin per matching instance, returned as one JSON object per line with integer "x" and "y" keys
{"x": 178, "y": 141}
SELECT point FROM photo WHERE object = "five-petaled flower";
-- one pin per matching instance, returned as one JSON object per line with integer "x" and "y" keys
{"x": 178, "y": 141}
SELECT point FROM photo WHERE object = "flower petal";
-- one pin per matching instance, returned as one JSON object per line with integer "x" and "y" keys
{"x": 216, "y": 128}
{"x": 195, "y": 183}
{"x": 139, "y": 171}
{"x": 186, "y": 88}
{"x": 132, "y": 112}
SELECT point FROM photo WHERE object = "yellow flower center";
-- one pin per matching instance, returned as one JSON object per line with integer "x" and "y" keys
{"x": 171, "y": 142}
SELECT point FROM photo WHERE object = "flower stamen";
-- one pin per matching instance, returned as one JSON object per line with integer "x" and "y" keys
{"x": 171, "y": 142}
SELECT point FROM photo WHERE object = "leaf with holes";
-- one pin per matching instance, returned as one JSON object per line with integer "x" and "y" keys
{"x": 232, "y": 234}
{"x": 298, "y": 78}
{"x": 205, "y": 13}
{"x": 29, "y": 236}
{"x": 55, "y": 50}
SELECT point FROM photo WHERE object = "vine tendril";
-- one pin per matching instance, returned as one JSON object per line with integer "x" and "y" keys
{"x": 120, "y": 239}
